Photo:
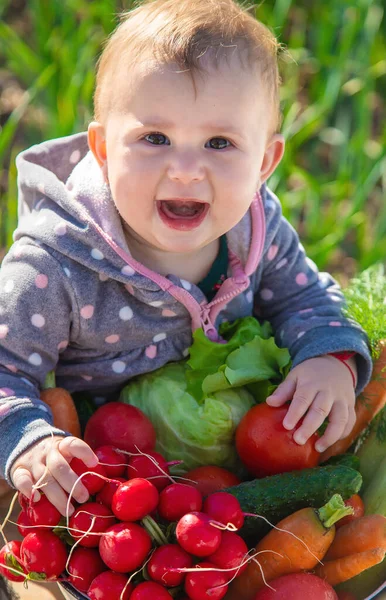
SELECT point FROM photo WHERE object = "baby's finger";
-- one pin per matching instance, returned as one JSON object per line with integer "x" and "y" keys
{"x": 71, "y": 447}
{"x": 283, "y": 393}
{"x": 55, "y": 494}
{"x": 351, "y": 421}
{"x": 65, "y": 476}
{"x": 335, "y": 428}
{"x": 318, "y": 411}
{"x": 301, "y": 402}
{"x": 22, "y": 480}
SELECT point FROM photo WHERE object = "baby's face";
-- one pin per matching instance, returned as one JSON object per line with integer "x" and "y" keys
{"x": 184, "y": 160}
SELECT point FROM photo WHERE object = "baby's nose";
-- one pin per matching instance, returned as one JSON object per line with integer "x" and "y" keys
{"x": 186, "y": 167}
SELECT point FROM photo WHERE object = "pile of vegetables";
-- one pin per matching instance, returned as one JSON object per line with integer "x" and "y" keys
{"x": 144, "y": 535}
{"x": 200, "y": 493}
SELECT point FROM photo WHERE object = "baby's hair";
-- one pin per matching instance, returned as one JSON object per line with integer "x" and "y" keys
{"x": 182, "y": 33}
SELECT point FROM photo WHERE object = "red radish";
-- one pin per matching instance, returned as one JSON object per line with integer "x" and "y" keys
{"x": 43, "y": 512}
{"x": 43, "y": 552}
{"x": 149, "y": 590}
{"x": 124, "y": 547}
{"x": 165, "y": 557}
{"x": 297, "y": 586}
{"x": 177, "y": 500}
{"x": 144, "y": 466}
{"x": 9, "y": 555}
{"x": 81, "y": 519}
{"x": 231, "y": 553}
{"x": 225, "y": 508}
{"x": 134, "y": 499}
{"x": 208, "y": 585}
{"x": 23, "y": 501}
{"x": 84, "y": 565}
{"x": 120, "y": 425}
{"x": 24, "y": 523}
{"x": 114, "y": 462}
{"x": 93, "y": 483}
{"x": 105, "y": 495}
{"x": 196, "y": 535}
{"x": 109, "y": 586}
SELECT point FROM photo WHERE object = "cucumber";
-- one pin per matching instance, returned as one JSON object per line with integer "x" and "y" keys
{"x": 348, "y": 460}
{"x": 278, "y": 496}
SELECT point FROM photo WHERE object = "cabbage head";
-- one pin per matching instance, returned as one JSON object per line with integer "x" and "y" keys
{"x": 198, "y": 433}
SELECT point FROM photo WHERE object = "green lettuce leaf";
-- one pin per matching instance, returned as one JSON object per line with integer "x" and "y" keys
{"x": 249, "y": 355}
{"x": 196, "y": 405}
{"x": 197, "y": 433}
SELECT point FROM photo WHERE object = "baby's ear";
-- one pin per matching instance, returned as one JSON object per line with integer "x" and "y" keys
{"x": 97, "y": 143}
{"x": 272, "y": 156}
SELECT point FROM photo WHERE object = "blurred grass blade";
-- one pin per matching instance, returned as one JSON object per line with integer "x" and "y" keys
{"x": 11, "y": 124}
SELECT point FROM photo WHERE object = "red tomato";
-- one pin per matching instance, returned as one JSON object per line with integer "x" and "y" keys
{"x": 211, "y": 479}
{"x": 359, "y": 510}
{"x": 267, "y": 448}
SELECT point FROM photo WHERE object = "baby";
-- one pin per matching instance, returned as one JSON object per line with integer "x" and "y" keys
{"x": 158, "y": 222}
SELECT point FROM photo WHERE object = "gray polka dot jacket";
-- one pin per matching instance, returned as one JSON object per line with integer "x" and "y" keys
{"x": 73, "y": 299}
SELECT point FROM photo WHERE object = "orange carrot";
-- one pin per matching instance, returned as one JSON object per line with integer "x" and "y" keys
{"x": 63, "y": 409}
{"x": 343, "y": 569}
{"x": 282, "y": 553}
{"x": 359, "y": 535}
{"x": 368, "y": 404}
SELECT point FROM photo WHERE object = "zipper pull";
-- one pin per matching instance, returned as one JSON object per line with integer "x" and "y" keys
{"x": 208, "y": 327}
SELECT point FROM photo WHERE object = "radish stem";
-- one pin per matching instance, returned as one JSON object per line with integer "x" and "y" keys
{"x": 154, "y": 531}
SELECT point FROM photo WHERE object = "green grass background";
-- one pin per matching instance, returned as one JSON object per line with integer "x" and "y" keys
{"x": 332, "y": 179}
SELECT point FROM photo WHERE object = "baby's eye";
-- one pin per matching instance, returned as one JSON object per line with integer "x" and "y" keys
{"x": 157, "y": 139}
{"x": 218, "y": 143}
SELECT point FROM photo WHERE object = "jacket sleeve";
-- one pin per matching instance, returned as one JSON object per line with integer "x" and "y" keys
{"x": 35, "y": 320}
{"x": 304, "y": 306}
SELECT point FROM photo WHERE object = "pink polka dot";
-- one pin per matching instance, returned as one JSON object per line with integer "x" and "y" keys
{"x": 38, "y": 320}
{"x": 266, "y": 294}
{"x": 151, "y": 351}
{"x": 129, "y": 288}
{"x": 87, "y": 311}
{"x": 60, "y": 229}
{"x": 301, "y": 279}
{"x": 4, "y": 392}
{"x": 272, "y": 252}
{"x": 335, "y": 324}
{"x": 168, "y": 313}
{"x": 4, "y": 409}
{"x": 74, "y": 157}
{"x": 18, "y": 252}
{"x": 86, "y": 377}
{"x": 41, "y": 281}
{"x": 112, "y": 339}
{"x": 3, "y": 331}
{"x": 63, "y": 345}
{"x": 11, "y": 368}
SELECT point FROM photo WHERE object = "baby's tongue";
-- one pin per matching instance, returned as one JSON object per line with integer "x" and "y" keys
{"x": 182, "y": 209}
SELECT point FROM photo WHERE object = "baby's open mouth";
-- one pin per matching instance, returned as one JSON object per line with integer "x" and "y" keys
{"x": 182, "y": 209}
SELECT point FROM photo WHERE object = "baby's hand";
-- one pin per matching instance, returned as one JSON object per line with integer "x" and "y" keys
{"x": 51, "y": 457}
{"x": 318, "y": 387}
